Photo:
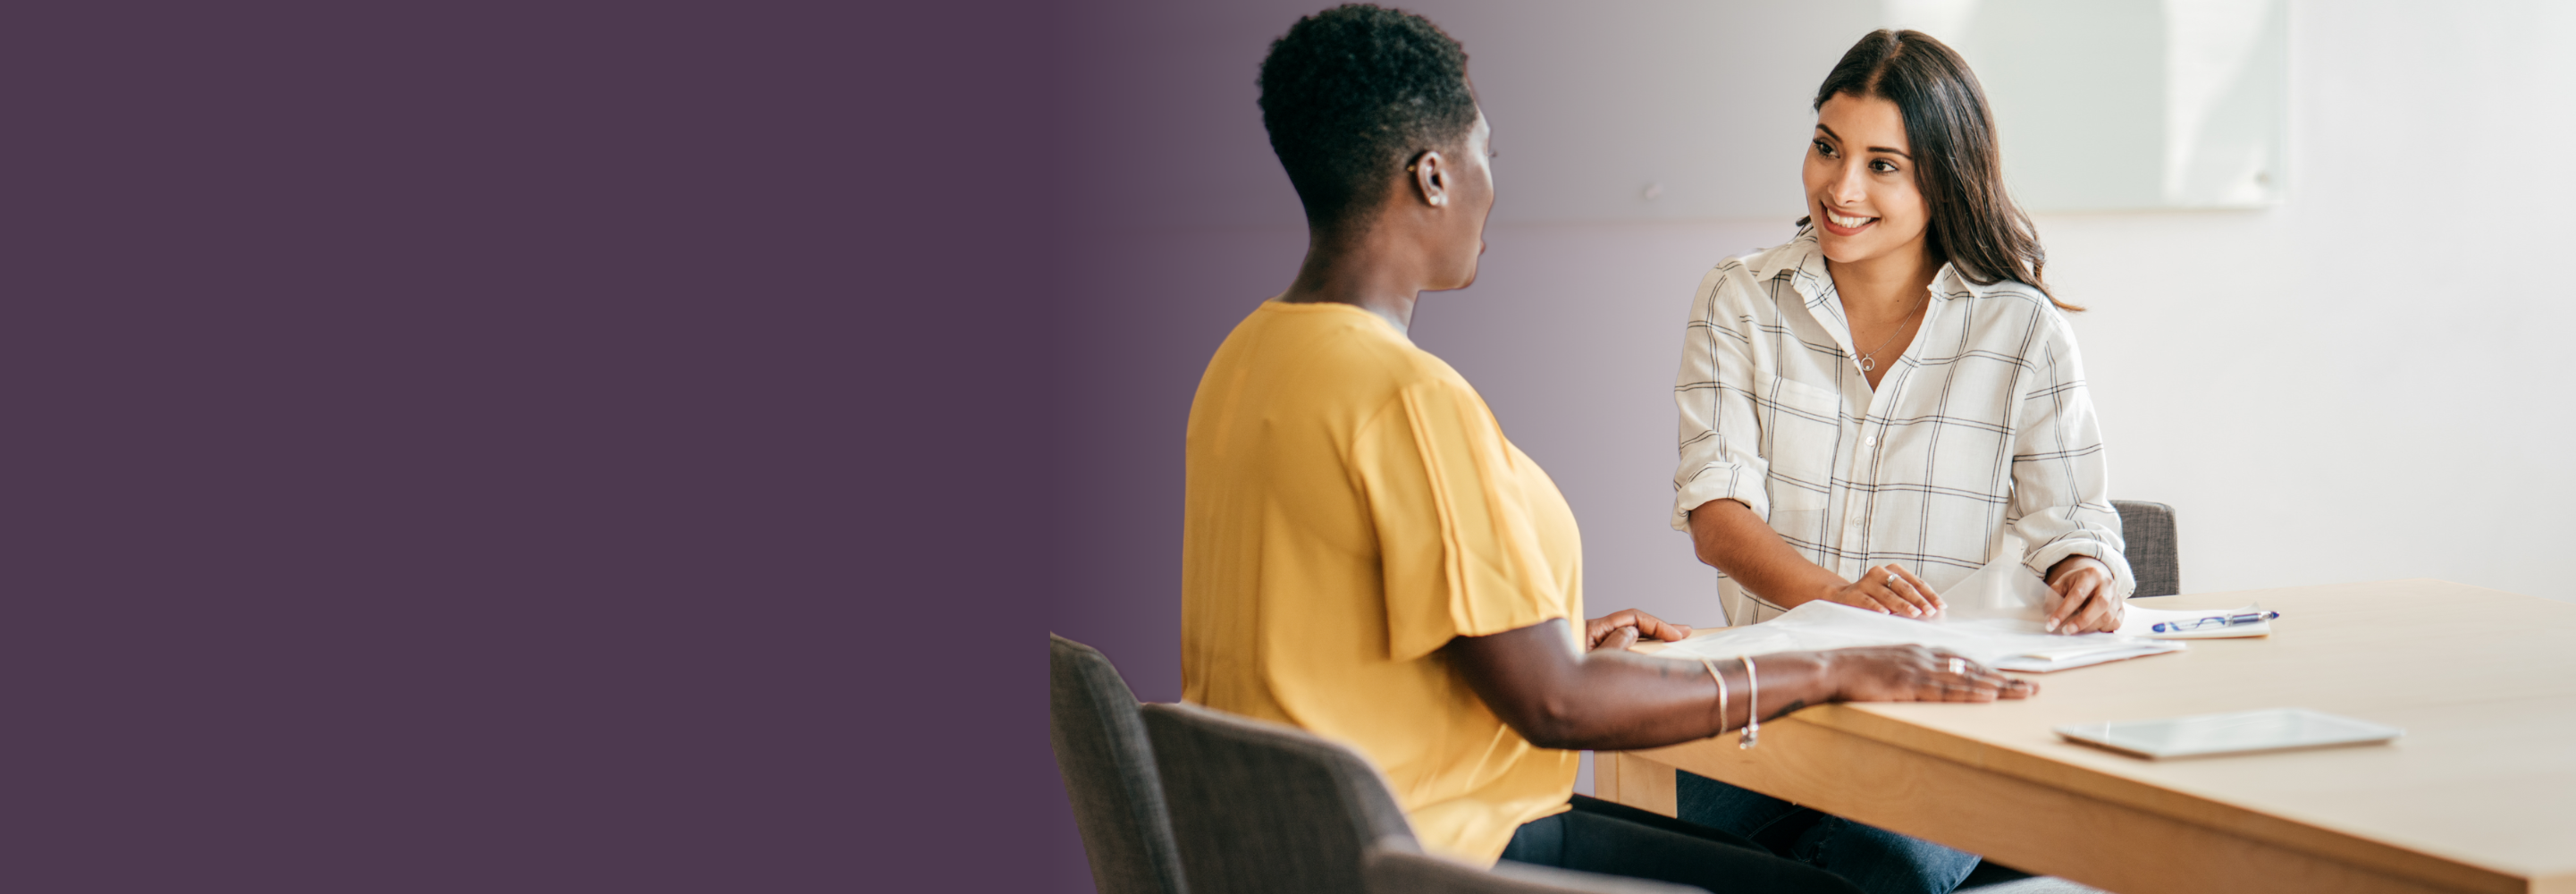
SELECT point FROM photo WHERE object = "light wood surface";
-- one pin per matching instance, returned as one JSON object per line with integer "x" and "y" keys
{"x": 2480, "y": 795}
{"x": 1633, "y": 780}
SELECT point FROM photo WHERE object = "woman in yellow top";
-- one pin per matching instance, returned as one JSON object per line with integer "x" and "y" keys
{"x": 1367, "y": 557}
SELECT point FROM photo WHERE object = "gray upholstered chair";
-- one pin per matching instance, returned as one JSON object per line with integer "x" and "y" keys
{"x": 1260, "y": 808}
{"x": 2149, "y": 530}
{"x": 1108, "y": 766}
{"x": 1402, "y": 870}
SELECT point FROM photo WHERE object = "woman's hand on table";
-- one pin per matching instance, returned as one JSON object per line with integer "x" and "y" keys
{"x": 1916, "y": 674}
{"x": 2088, "y": 600}
{"x": 1622, "y": 628}
{"x": 1889, "y": 589}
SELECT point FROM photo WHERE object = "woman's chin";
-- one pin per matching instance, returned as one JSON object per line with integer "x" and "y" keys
{"x": 1852, "y": 249}
{"x": 1843, "y": 250}
{"x": 1463, "y": 279}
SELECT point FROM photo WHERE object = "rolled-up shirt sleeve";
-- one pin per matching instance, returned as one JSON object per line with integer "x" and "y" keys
{"x": 2061, "y": 479}
{"x": 1720, "y": 431}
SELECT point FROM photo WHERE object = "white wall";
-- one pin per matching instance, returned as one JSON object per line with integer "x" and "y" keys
{"x": 2358, "y": 384}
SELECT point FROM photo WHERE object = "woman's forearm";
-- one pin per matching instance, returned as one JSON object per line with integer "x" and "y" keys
{"x": 1788, "y": 681}
{"x": 1729, "y": 537}
{"x": 1615, "y": 699}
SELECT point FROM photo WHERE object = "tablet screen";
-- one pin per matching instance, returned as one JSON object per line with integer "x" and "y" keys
{"x": 2270, "y": 730}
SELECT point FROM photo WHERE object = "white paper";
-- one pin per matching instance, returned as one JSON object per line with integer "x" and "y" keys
{"x": 2003, "y": 590}
{"x": 1994, "y": 617}
{"x": 1995, "y": 642}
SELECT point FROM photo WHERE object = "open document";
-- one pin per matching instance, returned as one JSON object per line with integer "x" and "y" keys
{"x": 1995, "y": 618}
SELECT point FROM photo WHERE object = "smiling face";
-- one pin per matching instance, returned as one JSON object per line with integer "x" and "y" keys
{"x": 1860, "y": 182}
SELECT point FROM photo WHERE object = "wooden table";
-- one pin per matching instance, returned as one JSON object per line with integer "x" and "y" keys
{"x": 2480, "y": 795}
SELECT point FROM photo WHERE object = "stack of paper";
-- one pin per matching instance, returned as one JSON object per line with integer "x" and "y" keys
{"x": 2002, "y": 643}
{"x": 2008, "y": 591}
{"x": 1995, "y": 617}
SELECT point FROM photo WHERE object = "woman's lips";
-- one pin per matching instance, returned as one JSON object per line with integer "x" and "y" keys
{"x": 1833, "y": 223}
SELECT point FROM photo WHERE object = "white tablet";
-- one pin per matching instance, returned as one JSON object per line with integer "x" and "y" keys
{"x": 2277, "y": 729}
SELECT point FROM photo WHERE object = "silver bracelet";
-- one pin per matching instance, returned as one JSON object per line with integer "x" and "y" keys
{"x": 1721, "y": 693}
{"x": 1753, "y": 702}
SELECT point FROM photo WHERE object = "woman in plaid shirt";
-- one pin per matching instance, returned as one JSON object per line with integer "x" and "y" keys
{"x": 1887, "y": 403}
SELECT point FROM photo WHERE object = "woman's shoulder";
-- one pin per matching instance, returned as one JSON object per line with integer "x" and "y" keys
{"x": 2010, "y": 304}
{"x": 1741, "y": 278}
{"x": 1343, "y": 350}
{"x": 2011, "y": 295}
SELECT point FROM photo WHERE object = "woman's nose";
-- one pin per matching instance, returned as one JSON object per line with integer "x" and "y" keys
{"x": 1849, "y": 188}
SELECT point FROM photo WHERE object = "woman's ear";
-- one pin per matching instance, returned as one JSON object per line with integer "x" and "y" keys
{"x": 1430, "y": 178}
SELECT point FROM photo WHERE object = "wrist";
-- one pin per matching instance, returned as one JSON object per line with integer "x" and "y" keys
{"x": 1824, "y": 589}
{"x": 2073, "y": 563}
{"x": 1818, "y": 670}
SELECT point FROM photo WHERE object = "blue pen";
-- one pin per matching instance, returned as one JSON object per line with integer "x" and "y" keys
{"x": 2216, "y": 620}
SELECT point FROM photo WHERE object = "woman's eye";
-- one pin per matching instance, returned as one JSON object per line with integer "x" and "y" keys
{"x": 1824, "y": 150}
{"x": 1883, "y": 166}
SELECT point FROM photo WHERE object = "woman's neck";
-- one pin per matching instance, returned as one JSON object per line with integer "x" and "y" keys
{"x": 1886, "y": 286}
{"x": 1377, "y": 275}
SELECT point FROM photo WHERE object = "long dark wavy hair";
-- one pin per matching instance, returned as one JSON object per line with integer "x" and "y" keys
{"x": 1974, "y": 224}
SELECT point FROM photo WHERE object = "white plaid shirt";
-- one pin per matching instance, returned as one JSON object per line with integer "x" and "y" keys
{"x": 1979, "y": 444}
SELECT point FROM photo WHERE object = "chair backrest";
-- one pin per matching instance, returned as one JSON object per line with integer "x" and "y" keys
{"x": 2149, "y": 530}
{"x": 1396, "y": 871}
{"x": 1261, "y": 808}
{"x": 1108, "y": 766}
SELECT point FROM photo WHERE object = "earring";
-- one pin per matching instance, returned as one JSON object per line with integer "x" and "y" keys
{"x": 1437, "y": 201}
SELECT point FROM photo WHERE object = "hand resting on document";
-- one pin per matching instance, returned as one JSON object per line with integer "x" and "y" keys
{"x": 2087, "y": 600}
{"x": 1890, "y": 589}
{"x": 1609, "y": 698}
{"x": 1622, "y": 628}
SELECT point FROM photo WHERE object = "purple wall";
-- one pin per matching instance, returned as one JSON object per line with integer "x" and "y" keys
{"x": 534, "y": 448}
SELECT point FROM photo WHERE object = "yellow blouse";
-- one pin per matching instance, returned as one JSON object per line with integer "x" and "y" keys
{"x": 1352, "y": 506}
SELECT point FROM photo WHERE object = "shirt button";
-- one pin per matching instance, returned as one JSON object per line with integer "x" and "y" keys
{"x": 1871, "y": 441}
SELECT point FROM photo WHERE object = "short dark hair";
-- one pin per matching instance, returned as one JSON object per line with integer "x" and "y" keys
{"x": 1351, "y": 92}
{"x": 1958, "y": 164}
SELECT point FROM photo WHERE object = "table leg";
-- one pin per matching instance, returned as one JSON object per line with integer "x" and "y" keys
{"x": 1635, "y": 781}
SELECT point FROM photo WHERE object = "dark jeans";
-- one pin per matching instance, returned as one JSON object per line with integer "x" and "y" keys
{"x": 1879, "y": 861}
{"x": 1615, "y": 839}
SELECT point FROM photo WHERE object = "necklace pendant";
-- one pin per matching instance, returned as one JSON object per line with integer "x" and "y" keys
{"x": 1868, "y": 363}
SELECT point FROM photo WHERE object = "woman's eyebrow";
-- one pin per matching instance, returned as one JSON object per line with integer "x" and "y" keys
{"x": 1892, "y": 151}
